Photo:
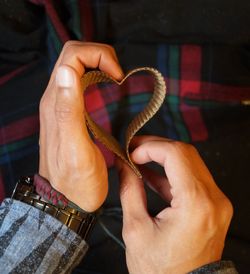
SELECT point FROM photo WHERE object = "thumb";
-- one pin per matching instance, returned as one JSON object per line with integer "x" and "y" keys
{"x": 69, "y": 106}
{"x": 132, "y": 194}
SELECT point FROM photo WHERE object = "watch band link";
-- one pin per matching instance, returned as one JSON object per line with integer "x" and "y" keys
{"x": 78, "y": 221}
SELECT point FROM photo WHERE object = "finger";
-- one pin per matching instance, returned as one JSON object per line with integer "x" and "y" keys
{"x": 73, "y": 137}
{"x": 81, "y": 55}
{"x": 148, "y": 150}
{"x": 157, "y": 183}
{"x": 69, "y": 106}
{"x": 182, "y": 165}
{"x": 132, "y": 193}
{"x": 91, "y": 55}
{"x": 141, "y": 139}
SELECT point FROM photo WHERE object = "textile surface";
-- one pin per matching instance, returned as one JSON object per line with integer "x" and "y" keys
{"x": 45, "y": 245}
{"x": 34, "y": 242}
{"x": 207, "y": 71}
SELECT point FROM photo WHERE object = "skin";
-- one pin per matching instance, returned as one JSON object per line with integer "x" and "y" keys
{"x": 66, "y": 150}
{"x": 184, "y": 236}
{"x": 192, "y": 230}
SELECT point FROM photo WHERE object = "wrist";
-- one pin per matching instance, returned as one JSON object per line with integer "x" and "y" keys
{"x": 87, "y": 189}
{"x": 89, "y": 193}
{"x": 57, "y": 205}
{"x": 51, "y": 195}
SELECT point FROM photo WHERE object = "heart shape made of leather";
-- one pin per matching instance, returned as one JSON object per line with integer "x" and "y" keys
{"x": 94, "y": 77}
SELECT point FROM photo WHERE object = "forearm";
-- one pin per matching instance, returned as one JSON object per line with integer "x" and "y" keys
{"x": 31, "y": 239}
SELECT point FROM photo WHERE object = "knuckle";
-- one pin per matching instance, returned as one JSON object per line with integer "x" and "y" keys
{"x": 191, "y": 148}
{"x": 131, "y": 230}
{"x": 105, "y": 46}
{"x": 68, "y": 45}
{"x": 227, "y": 208}
{"x": 108, "y": 49}
{"x": 216, "y": 213}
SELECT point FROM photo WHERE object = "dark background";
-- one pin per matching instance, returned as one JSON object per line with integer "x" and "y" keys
{"x": 134, "y": 26}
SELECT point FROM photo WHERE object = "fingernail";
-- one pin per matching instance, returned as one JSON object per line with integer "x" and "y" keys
{"x": 64, "y": 77}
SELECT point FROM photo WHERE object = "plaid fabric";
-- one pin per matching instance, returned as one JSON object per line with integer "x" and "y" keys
{"x": 208, "y": 90}
{"x": 182, "y": 117}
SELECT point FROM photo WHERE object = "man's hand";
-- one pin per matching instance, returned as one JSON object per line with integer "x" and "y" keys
{"x": 68, "y": 157}
{"x": 189, "y": 233}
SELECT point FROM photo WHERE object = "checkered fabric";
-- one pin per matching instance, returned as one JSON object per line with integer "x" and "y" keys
{"x": 193, "y": 89}
{"x": 208, "y": 82}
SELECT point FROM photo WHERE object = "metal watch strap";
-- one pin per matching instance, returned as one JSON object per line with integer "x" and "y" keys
{"x": 78, "y": 221}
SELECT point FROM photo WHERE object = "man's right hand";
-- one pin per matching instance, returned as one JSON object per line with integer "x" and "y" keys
{"x": 188, "y": 234}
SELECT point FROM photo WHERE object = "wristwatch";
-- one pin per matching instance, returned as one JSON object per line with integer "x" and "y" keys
{"x": 74, "y": 218}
